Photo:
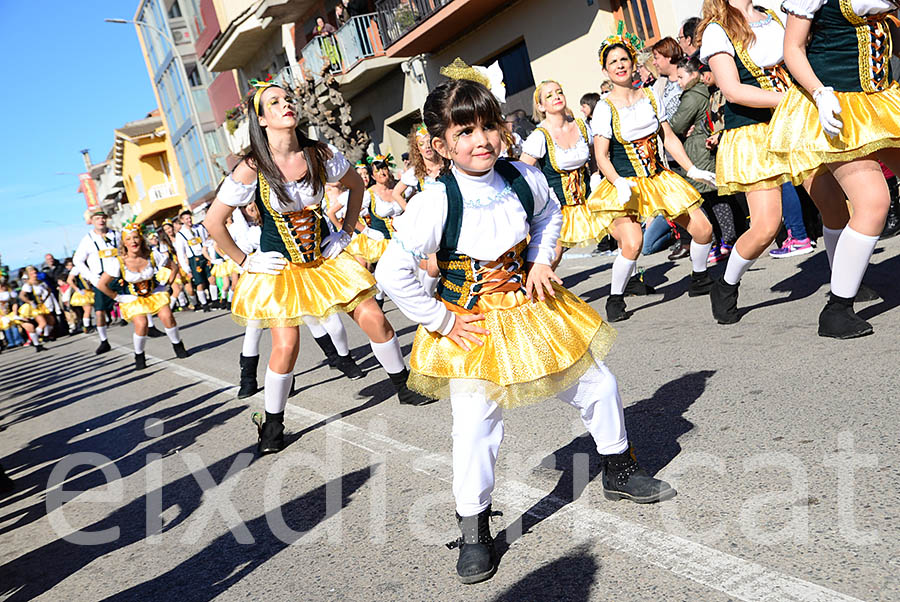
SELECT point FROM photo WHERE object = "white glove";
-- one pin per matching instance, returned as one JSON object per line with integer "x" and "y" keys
{"x": 125, "y": 298}
{"x": 270, "y": 262}
{"x": 334, "y": 243}
{"x": 623, "y": 189}
{"x": 829, "y": 108}
{"x": 701, "y": 175}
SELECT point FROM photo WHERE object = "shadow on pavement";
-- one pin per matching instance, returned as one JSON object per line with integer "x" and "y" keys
{"x": 568, "y": 579}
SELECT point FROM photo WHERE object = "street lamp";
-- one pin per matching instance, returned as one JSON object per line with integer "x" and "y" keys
{"x": 195, "y": 116}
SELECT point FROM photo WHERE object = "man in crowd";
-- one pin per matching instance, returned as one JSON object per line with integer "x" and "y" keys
{"x": 687, "y": 36}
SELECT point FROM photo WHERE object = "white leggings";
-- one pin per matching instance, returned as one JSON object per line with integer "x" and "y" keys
{"x": 478, "y": 431}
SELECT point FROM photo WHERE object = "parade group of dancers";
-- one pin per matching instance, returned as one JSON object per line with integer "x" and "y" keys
{"x": 470, "y": 255}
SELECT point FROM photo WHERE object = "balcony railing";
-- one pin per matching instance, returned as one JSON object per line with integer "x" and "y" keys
{"x": 162, "y": 191}
{"x": 397, "y": 17}
{"x": 356, "y": 40}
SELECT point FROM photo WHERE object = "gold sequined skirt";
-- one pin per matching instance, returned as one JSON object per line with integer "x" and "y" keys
{"x": 225, "y": 269}
{"x": 318, "y": 289}
{"x": 369, "y": 249}
{"x": 744, "y": 163}
{"x": 143, "y": 306}
{"x": 163, "y": 274}
{"x": 533, "y": 351}
{"x": 82, "y": 299}
{"x": 582, "y": 227}
{"x": 666, "y": 194}
{"x": 871, "y": 123}
{"x": 9, "y": 320}
{"x": 28, "y": 311}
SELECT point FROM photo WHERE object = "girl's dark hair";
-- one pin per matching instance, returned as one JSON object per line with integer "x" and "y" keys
{"x": 461, "y": 102}
{"x": 690, "y": 64}
{"x": 164, "y": 238}
{"x": 590, "y": 99}
{"x": 259, "y": 156}
{"x": 605, "y": 50}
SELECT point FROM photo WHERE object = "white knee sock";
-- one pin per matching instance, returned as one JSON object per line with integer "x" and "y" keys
{"x": 831, "y": 237}
{"x": 230, "y": 295}
{"x": 338, "y": 334}
{"x": 101, "y": 332}
{"x": 621, "y": 271}
{"x": 596, "y": 394}
{"x": 172, "y": 302}
{"x": 86, "y": 322}
{"x": 182, "y": 299}
{"x": 34, "y": 338}
{"x": 252, "y": 335}
{"x": 46, "y": 331}
{"x": 213, "y": 292}
{"x": 477, "y": 434}
{"x": 278, "y": 387}
{"x": 851, "y": 258}
{"x": 201, "y": 296}
{"x": 380, "y": 294}
{"x": 737, "y": 266}
{"x": 150, "y": 323}
{"x": 699, "y": 256}
{"x": 173, "y": 335}
{"x": 317, "y": 330}
{"x": 139, "y": 343}
{"x": 388, "y": 355}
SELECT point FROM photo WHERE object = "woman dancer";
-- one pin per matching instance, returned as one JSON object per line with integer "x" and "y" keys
{"x": 10, "y": 320}
{"x": 561, "y": 148}
{"x": 36, "y": 297}
{"x": 146, "y": 295}
{"x": 83, "y": 297}
{"x": 426, "y": 165}
{"x": 182, "y": 289}
{"x": 494, "y": 225}
{"x": 381, "y": 207}
{"x": 301, "y": 269}
{"x": 846, "y": 117}
{"x": 637, "y": 185}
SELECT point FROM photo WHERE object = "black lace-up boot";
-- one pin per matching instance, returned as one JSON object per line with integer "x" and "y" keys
{"x": 615, "y": 309}
{"x": 406, "y": 395}
{"x": 248, "y": 376}
{"x": 271, "y": 433}
{"x": 327, "y": 346}
{"x": 477, "y": 561}
{"x": 623, "y": 479}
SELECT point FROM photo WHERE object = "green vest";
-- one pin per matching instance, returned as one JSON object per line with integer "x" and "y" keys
{"x": 376, "y": 222}
{"x": 290, "y": 233}
{"x": 840, "y": 39}
{"x": 772, "y": 78}
{"x": 460, "y": 281}
{"x": 571, "y": 187}
{"x": 635, "y": 158}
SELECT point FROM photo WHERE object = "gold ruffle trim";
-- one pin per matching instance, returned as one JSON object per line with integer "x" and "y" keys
{"x": 298, "y": 320}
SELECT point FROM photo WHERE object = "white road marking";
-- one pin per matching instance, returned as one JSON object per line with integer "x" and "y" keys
{"x": 734, "y": 576}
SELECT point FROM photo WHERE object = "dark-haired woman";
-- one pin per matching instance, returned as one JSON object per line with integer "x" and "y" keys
{"x": 83, "y": 297}
{"x": 381, "y": 208}
{"x": 36, "y": 303}
{"x": 145, "y": 295}
{"x": 301, "y": 268}
{"x": 501, "y": 331}
{"x": 182, "y": 289}
{"x": 846, "y": 117}
{"x": 637, "y": 186}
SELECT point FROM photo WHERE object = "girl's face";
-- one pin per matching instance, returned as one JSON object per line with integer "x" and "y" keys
{"x": 364, "y": 174}
{"x": 279, "y": 110}
{"x": 169, "y": 230}
{"x": 552, "y": 98}
{"x": 424, "y": 145}
{"x": 153, "y": 240}
{"x": 586, "y": 110}
{"x": 32, "y": 275}
{"x": 619, "y": 67}
{"x": 473, "y": 148}
{"x": 382, "y": 175}
{"x": 132, "y": 242}
{"x": 686, "y": 79}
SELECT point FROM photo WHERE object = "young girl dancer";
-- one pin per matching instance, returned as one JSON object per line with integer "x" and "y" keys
{"x": 501, "y": 331}
{"x": 301, "y": 269}
{"x": 846, "y": 117}
{"x": 144, "y": 295}
{"x": 637, "y": 185}
{"x": 561, "y": 148}
{"x": 35, "y": 297}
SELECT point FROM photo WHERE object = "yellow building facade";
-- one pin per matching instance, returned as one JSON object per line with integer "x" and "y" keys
{"x": 145, "y": 159}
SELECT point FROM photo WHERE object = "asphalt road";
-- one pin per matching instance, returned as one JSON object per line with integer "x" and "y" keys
{"x": 783, "y": 447}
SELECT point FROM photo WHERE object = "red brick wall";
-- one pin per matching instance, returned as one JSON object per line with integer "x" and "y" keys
{"x": 223, "y": 95}
{"x": 208, "y": 12}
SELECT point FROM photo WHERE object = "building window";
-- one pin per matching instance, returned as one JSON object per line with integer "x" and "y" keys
{"x": 174, "y": 10}
{"x": 516, "y": 67}
{"x": 193, "y": 75}
{"x": 639, "y": 17}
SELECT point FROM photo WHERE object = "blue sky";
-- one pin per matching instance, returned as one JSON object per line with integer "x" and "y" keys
{"x": 70, "y": 80}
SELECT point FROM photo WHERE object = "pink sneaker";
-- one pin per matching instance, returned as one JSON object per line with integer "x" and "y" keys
{"x": 792, "y": 247}
{"x": 715, "y": 255}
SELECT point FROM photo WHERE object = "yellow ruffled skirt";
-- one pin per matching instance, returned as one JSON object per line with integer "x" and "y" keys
{"x": 9, "y": 320}
{"x": 163, "y": 274}
{"x": 533, "y": 351}
{"x": 871, "y": 123}
{"x": 744, "y": 163}
{"x": 666, "y": 194}
{"x": 367, "y": 248}
{"x": 225, "y": 269}
{"x": 318, "y": 289}
{"x": 28, "y": 311}
{"x": 144, "y": 306}
{"x": 582, "y": 227}
{"x": 82, "y": 299}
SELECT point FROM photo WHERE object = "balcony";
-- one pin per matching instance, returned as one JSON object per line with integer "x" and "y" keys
{"x": 237, "y": 134}
{"x": 413, "y": 27}
{"x": 162, "y": 191}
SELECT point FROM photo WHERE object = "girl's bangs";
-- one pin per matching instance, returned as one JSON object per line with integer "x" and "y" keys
{"x": 473, "y": 105}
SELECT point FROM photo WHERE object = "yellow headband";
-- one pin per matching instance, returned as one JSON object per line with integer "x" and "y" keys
{"x": 260, "y": 86}
{"x": 540, "y": 86}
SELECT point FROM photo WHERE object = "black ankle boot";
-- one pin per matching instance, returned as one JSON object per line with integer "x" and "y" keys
{"x": 154, "y": 333}
{"x": 723, "y": 297}
{"x": 839, "y": 321}
{"x": 103, "y": 348}
{"x": 140, "y": 362}
{"x": 39, "y": 347}
{"x": 271, "y": 434}
{"x": 347, "y": 365}
{"x": 477, "y": 561}
{"x": 636, "y": 287}
{"x": 701, "y": 284}
{"x": 615, "y": 309}
{"x": 327, "y": 346}
{"x": 248, "y": 376}
{"x": 892, "y": 223}
{"x": 180, "y": 351}
{"x": 405, "y": 394}
{"x": 206, "y": 307}
{"x": 623, "y": 479}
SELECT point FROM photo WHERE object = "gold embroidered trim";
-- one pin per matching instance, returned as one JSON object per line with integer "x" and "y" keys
{"x": 388, "y": 222}
{"x": 283, "y": 230}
